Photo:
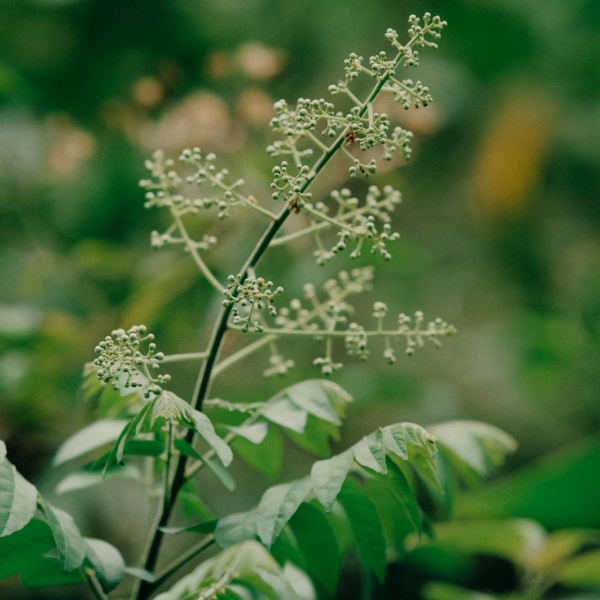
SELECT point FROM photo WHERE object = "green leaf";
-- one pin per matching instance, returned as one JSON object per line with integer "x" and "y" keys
{"x": 202, "y": 528}
{"x": 413, "y": 443}
{"x": 85, "y": 479}
{"x": 318, "y": 544}
{"x": 255, "y": 433}
{"x": 448, "y": 591}
{"x": 186, "y": 449}
{"x": 2, "y": 451}
{"x": 266, "y": 457}
{"x": 481, "y": 447}
{"x": 130, "y": 430}
{"x": 70, "y": 544}
{"x": 277, "y": 506}
{"x": 286, "y": 414}
{"x": 400, "y": 488}
{"x": 370, "y": 452}
{"x": 222, "y": 474}
{"x": 191, "y": 503}
{"x": 142, "y": 574}
{"x": 245, "y": 563}
{"x": 311, "y": 397}
{"x": 316, "y": 436}
{"x": 107, "y": 562}
{"x": 24, "y": 549}
{"x": 236, "y": 528}
{"x": 89, "y": 438}
{"x": 327, "y": 477}
{"x": 18, "y": 499}
{"x": 205, "y": 428}
{"x": 582, "y": 571}
{"x": 143, "y": 448}
{"x": 365, "y": 525}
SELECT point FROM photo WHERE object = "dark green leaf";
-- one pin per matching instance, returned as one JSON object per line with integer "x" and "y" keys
{"x": 143, "y": 448}
{"x": 365, "y": 525}
{"x": 317, "y": 542}
{"x": 191, "y": 503}
{"x": 185, "y": 449}
{"x": 266, "y": 457}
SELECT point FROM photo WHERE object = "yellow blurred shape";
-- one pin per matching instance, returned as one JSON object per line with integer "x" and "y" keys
{"x": 508, "y": 168}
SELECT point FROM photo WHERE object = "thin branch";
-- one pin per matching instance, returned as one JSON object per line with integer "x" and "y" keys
{"x": 183, "y": 357}
{"x": 94, "y": 584}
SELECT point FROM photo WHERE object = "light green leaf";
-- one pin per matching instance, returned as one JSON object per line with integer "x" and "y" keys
{"x": 89, "y": 438}
{"x": 18, "y": 499}
{"x": 236, "y": 528}
{"x": 286, "y": 414}
{"x": 582, "y": 571}
{"x": 2, "y": 451}
{"x": 311, "y": 397}
{"x": 254, "y": 433}
{"x": 203, "y": 528}
{"x": 318, "y": 544}
{"x": 365, "y": 525}
{"x": 370, "y": 452}
{"x": 480, "y": 446}
{"x": 85, "y": 479}
{"x": 205, "y": 428}
{"x": 107, "y": 562}
{"x": 221, "y": 473}
{"x": 327, "y": 477}
{"x": 70, "y": 544}
{"x": 277, "y": 506}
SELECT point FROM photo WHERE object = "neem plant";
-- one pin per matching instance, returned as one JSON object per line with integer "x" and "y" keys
{"x": 293, "y": 544}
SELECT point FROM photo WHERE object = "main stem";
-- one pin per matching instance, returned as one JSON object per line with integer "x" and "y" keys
{"x": 143, "y": 588}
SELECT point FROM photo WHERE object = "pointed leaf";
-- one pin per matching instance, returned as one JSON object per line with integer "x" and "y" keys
{"x": 107, "y": 562}
{"x": 85, "y": 479}
{"x": 365, "y": 525}
{"x": 205, "y": 428}
{"x": 236, "y": 528}
{"x": 70, "y": 544}
{"x": 277, "y": 507}
{"x": 18, "y": 499}
{"x": 310, "y": 396}
{"x": 89, "y": 438}
{"x": 286, "y": 414}
{"x": 370, "y": 452}
{"x": 327, "y": 477}
{"x": 203, "y": 528}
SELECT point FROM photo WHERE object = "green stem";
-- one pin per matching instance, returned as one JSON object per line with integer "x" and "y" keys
{"x": 94, "y": 584}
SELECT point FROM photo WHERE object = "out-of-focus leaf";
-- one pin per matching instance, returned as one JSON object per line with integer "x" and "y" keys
{"x": 107, "y": 562}
{"x": 277, "y": 506}
{"x": 447, "y": 591}
{"x": 365, "y": 525}
{"x": 582, "y": 571}
{"x": 236, "y": 528}
{"x": 70, "y": 544}
{"x": 203, "y": 528}
{"x": 89, "y": 438}
{"x": 191, "y": 503}
{"x": 317, "y": 542}
{"x": 23, "y": 550}
{"x": 560, "y": 545}
{"x": 246, "y": 563}
{"x": 18, "y": 498}
{"x": 299, "y": 582}
{"x": 130, "y": 430}
{"x": 327, "y": 477}
{"x": 85, "y": 479}
{"x": 266, "y": 457}
{"x": 480, "y": 446}
{"x": 143, "y": 448}
{"x": 571, "y": 478}
{"x": 316, "y": 436}
{"x": 312, "y": 397}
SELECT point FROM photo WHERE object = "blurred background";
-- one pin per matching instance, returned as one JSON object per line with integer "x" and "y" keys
{"x": 499, "y": 222}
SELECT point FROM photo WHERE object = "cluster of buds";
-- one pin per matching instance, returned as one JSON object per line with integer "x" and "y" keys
{"x": 250, "y": 295}
{"x": 290, "y": 185}
{"x": 398, "y": 141}
{"x": 278, "y": 366}
{"x": 120, "y": 355}
{"x": 407, "y": 93}
{"x": 416, "y": 335}
{"x": 369, "y": 131}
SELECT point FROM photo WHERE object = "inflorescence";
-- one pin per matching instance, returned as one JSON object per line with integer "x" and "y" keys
{"x": 120, "y": 355}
